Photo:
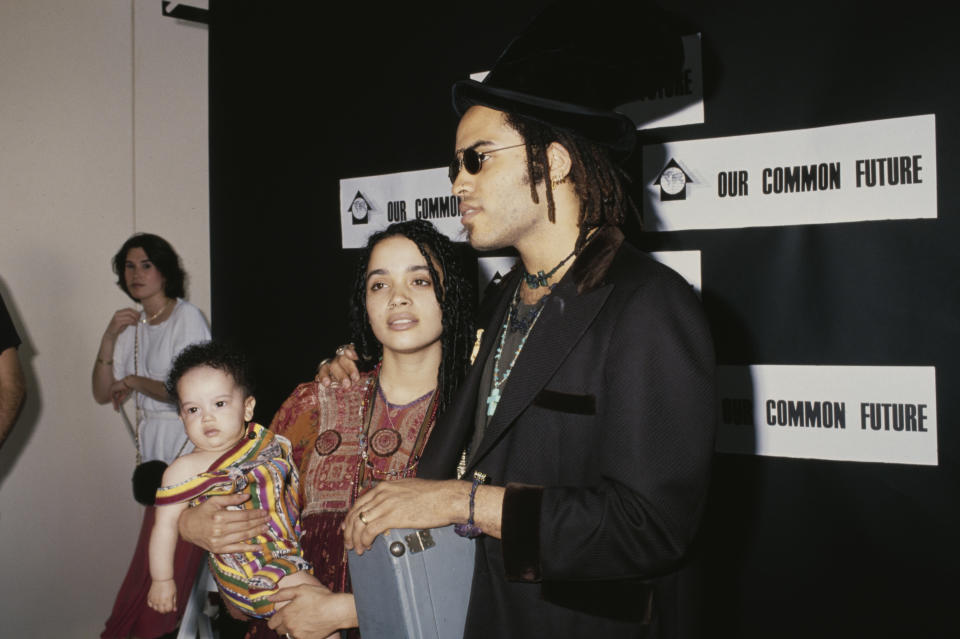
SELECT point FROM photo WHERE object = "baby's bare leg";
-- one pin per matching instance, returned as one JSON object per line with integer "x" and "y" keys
{"x": 296, "y": 579}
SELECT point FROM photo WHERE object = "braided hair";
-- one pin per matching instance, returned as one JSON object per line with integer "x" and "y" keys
{"x": 454, "y": 292}
{"x": 599, "y": 182}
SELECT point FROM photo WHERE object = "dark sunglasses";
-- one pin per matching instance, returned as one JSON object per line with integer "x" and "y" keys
{"x": 472, "y": 160}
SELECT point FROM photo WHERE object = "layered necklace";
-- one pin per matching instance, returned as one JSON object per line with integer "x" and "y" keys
{"x": 385, "y": 441}
{"x": 512, "y": 322}
{"x": 518, "y": 322}
{"x": 523, "y": 323}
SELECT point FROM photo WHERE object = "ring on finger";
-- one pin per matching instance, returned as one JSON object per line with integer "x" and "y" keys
{"x": 363, "y": 518}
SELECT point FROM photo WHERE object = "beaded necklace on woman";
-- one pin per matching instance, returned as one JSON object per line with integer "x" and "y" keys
{"x": 387, "y": 439}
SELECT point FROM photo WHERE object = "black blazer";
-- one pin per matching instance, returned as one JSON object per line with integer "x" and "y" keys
{"x": 603, "y": 437}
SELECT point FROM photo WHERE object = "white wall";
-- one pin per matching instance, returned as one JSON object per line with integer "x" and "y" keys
{"x": 103, "y": 132}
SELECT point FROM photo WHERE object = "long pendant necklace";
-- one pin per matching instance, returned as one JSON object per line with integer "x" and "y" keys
{"x": 386, "y": 441}
{"x": 523, "y": 324}
{"x": 493, "y": 398}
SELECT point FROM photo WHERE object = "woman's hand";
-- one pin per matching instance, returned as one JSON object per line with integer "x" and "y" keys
{"x": 121, "y": 319}
{"x": 342, "y": 369}
{"x": 105, "y": 387}
{"x": 311, "y": 611}
{"x": 216, "y": 529}
{"x": 119, "y": 392}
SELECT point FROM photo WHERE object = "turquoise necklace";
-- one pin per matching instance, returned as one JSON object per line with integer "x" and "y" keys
{"x": 500, "y": 379}
{"x": 541, "y": 278}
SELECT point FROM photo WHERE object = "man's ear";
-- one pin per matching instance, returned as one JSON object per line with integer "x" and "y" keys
{"x": 560, "y": 163}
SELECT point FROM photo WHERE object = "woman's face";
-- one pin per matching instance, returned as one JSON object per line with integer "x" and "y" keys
{"x": 401, "y": 305}
{"x": 143, "y": 279}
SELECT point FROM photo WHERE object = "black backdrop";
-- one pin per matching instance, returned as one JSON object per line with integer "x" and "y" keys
{"x": 304, "y": 93}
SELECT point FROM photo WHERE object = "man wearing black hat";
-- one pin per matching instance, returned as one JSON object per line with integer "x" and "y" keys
{"x": 585, "y": 429}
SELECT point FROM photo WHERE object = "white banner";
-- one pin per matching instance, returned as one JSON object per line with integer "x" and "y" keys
{"x": 686, "y": 263}
{"x": 848, "y": 413}
{"x": 866, "y": 171}
{"x": 492, "y": 268}
{"x": 676, "y": 105}
{"x": 369, "y": 204}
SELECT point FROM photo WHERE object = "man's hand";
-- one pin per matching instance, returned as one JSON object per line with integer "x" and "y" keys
{"x": 342, "y": 369}
{"x": 216, "y": 529}
{"x": 311, "y": 611}
{"x": 405, "y": 503}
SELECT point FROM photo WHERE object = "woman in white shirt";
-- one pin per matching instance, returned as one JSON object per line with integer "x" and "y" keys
{"x": 136, "y": 352}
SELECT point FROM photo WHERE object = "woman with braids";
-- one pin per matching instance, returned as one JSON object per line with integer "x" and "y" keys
{"x": 412, "y": 322}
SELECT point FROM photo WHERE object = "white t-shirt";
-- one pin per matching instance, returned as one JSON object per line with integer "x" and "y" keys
{"x": 161, "y": 431}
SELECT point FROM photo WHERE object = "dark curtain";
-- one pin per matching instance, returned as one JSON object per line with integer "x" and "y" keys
{"x": 302, "y": 95}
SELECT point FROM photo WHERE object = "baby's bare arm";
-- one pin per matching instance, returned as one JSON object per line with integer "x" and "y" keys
{"x": 186, "y": 466}
{"x": 163, "y": 542}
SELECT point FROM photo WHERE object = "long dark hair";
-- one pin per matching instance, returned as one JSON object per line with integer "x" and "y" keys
{"x": 599, "y": 182}
{"x": 164, "y": 259}
{"x": 455, "y": 296}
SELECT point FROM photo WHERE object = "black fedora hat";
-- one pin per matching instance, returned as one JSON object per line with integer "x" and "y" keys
{"x": 576, "y": 62}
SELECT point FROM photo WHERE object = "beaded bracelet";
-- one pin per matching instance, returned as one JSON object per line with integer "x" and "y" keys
{"x": 470, "y": 530}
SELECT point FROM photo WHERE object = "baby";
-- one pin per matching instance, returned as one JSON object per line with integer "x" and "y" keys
{"x": 212, "y": 388}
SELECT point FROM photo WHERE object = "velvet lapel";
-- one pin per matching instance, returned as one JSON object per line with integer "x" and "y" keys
{"x": 455, "y": 425}
{"x": 564, "y": 319}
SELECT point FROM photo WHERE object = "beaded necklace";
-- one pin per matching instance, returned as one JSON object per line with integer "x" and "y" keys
{"x": 541, "y": 278}
{"x": 137, "y": 399}
{"x": 147, "y": 320}
{"x": 500, "y": 379}
{"x": 386, "y": 441}
{"x": 523, "y": 324}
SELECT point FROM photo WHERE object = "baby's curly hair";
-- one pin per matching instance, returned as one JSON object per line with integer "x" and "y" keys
{"x": 213, "y": 354}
